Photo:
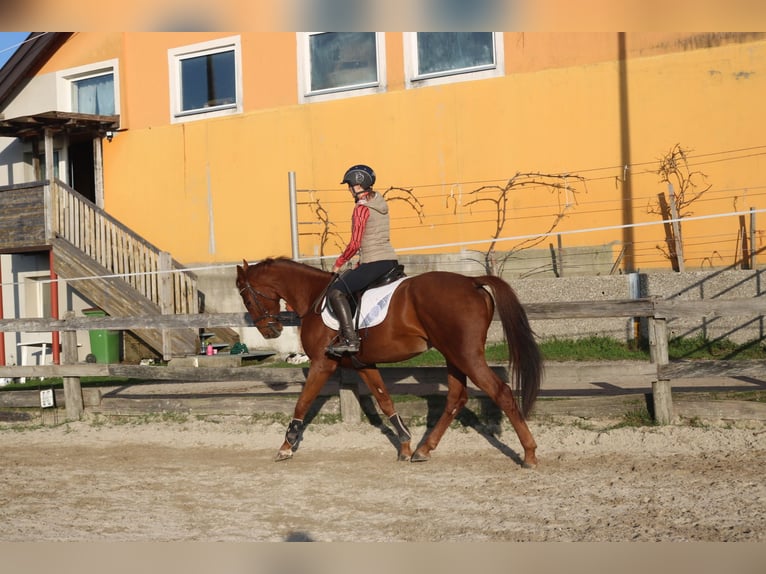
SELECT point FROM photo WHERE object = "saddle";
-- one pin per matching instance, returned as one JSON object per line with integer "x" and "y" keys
{"x": 388, "y": 277}
{"x": 370, "y": 305}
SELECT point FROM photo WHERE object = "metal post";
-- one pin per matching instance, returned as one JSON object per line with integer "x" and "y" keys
{"x": 753, "y": 250}
{"x": 293, "y": 213}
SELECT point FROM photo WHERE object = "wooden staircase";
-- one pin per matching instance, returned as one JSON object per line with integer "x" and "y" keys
{"x": 119, "y": 299}
{"x": 119, "y": 271}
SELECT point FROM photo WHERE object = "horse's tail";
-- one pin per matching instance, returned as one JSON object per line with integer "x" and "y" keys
{"x": 525, "y": 359}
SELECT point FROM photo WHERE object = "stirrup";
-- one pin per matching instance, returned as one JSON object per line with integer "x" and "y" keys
{"x": 343, "y": 345}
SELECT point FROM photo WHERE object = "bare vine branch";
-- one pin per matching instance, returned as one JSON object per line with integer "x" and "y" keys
{"x": 325, "y": 234}
{"x": 688, "y": 185}
{"x": 499, "y": 196}
{"x": 405, "y": 195}
{"x": 685, "y": 186}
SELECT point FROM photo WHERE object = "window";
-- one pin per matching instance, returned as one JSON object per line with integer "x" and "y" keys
{"x": 205, "y": 79}
{"x": 92, "y": 89}
{"x": 94, "y": 95}
{"x": 37, "y": 296}
{"x": 340, "y": 64}
{"x": 441, "y": 57}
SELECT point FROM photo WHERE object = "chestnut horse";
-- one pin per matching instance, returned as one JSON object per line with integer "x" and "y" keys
{"x": 443, "y": 310}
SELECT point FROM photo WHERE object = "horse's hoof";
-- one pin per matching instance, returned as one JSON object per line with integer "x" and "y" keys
{"x": 529, "y": 465}
{"x": 420, "y": 457}
{"x": 284, "y": 455}
{"x": 403, "y": 458}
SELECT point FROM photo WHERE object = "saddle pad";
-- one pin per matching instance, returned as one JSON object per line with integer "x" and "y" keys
{"x": 373, "y": 309}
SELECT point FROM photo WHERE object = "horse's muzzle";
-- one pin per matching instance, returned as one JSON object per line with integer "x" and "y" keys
{"x": 272, "y": 330}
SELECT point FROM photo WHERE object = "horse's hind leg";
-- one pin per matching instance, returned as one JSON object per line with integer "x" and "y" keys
{"x": 457, "y": 397}
{"x": 502, "y": 395}
{"x": 374, "y": 382}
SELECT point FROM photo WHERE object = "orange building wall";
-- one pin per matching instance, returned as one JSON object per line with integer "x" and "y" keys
{"x": 216, "y": 190}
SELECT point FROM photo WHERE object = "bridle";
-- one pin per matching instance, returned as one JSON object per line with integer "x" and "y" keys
{"x": 264, "y": 313}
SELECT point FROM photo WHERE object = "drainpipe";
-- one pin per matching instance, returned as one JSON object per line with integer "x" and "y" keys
{"x": 55, "y": 347}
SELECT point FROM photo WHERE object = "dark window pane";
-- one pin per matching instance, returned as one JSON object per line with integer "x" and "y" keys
{"x": 440, "y": 52}
{"x": 207, "y": 81}
{"x": 343, "y": 59}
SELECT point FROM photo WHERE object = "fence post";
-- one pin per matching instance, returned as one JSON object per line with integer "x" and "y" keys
{"x": 72, "y": 388}
{"x": 678, "y": 240}
{"x": 165, "y": 284}
{"x": 661, "y": 389}
{"x": 350, "y": 408}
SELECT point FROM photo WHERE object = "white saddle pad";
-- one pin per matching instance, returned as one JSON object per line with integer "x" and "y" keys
{"x": 373, "y": 309}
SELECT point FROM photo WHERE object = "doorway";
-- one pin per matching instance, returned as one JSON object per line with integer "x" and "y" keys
{"x": 82, "y": 168}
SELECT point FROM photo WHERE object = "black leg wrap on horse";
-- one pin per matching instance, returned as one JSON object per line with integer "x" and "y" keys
{"x": 401, "y": 428}
{"x": 294, "y": 432}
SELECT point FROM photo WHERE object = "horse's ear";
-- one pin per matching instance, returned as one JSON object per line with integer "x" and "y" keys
{"x": 242, "y": 269}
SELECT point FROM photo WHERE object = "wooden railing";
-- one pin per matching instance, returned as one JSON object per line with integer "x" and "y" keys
{"x": 661, "y": 372}
{"x": 151, "y": 272}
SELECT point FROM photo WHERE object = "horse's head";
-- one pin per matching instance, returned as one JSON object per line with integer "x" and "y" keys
{"x": 261, "y": 301}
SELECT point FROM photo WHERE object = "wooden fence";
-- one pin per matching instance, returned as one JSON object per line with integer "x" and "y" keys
{"x": 657, "y": 312}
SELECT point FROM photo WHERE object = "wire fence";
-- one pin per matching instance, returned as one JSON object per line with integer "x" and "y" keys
{"x": 574, "y": 209}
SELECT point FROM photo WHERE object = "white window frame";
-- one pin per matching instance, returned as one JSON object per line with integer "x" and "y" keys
{"x": 65, "y": 79}
{"x": 36, "y": 295}
{"x": 176, "y": 55}
{"x": 304, "y": 73}
{"x": 413, "y": 80}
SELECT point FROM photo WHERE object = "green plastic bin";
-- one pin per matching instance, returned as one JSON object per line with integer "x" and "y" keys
{"x": 104, "y": 344}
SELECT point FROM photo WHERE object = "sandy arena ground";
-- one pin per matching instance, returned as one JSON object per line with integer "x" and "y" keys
{"x": 215, "y": 480}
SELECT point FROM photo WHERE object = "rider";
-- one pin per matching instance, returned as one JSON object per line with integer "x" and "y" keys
{"x": 369, "y": 236}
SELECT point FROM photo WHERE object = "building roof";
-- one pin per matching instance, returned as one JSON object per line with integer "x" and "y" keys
{"x": 26, "y": 61}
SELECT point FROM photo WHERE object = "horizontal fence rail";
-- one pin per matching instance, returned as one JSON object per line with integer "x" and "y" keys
{"x": 656, "y": 308}
{"x": 656, "y": 311}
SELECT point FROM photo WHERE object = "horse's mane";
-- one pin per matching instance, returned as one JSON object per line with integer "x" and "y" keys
{"x": 282, "y": 260}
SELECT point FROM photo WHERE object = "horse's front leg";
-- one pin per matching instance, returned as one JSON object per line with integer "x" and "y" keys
{"x": 319, "y": 372}
{"x": 374, "y": 382}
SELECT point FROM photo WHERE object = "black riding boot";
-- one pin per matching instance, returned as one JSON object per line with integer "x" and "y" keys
{"x": 348, "y": 340}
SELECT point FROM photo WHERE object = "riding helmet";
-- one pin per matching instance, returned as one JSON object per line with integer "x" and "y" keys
{"x": 359, "y": 175}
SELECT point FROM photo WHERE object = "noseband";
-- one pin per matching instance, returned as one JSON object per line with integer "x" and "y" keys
{"x": 264, "y": 314}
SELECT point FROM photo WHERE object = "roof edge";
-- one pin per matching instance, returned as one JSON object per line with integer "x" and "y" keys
{"x": 35, "y": 51}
